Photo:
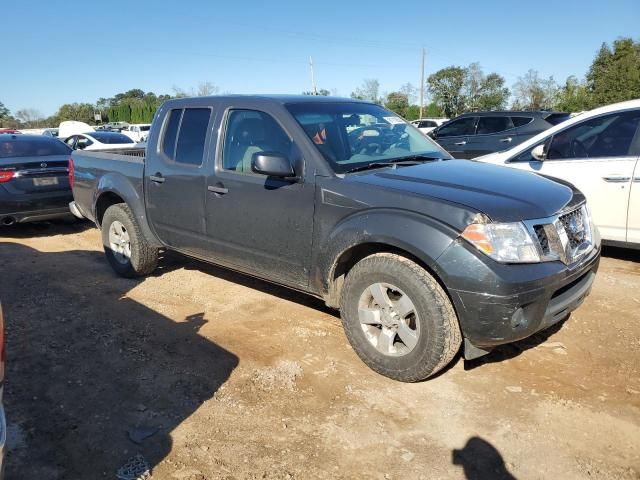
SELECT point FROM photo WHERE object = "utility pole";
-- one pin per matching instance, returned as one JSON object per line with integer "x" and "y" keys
{"x": 313, "y": 81}
{"x": 422, "y": 85}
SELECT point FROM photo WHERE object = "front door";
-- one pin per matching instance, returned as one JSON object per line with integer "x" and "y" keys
{"x": 454, "y": 136}
{"x": 262, "y": 225}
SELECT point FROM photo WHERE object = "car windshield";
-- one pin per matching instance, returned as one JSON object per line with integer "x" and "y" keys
{"x": 352, "y": 135}
{"x": 111, "y": 137}
{"x": 32, "y": 147}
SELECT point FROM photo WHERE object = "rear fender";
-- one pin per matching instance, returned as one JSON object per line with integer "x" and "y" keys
{"x": 131, "y": 193}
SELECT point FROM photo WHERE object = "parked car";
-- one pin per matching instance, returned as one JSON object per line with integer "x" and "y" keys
{"x": 426, "y": 125}
{"x": 474, "y": 134}
{"x": 116, "y": 126}
{"x": 99, "y": 141}
{"x": 50, "y": 132}
{"x": 417, "y": 253}
{"x": 9, "y": 131}
{"x": 597, "y": 151}
{"x": 72, "y": 127}
{"x": 3, "y": 421}
{"x": 33, "y": 179}
{"x": 137, "y": 132}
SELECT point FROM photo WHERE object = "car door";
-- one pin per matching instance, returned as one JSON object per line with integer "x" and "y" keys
{"x": 259, "y": 224}
{"x": 598, "y": 156}
{"x": 493, "y": 134}
{"x": 633, "y": 213}
{"x": 71, "y": 141}
{"x": 175, "y": 179}
{"x": 455, "y": 135}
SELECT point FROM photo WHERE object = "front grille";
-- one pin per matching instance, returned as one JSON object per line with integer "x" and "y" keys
{"x": 573, "y": 223}
{"x": 566, "y": 237}
{"x": 543, "y": 240}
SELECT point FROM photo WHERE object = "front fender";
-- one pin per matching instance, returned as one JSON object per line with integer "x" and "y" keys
{"x": 423, "y": 237}
{"x": 131, "y": 191}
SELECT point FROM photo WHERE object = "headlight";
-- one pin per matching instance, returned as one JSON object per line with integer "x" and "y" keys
{"x": 504, "y": 242}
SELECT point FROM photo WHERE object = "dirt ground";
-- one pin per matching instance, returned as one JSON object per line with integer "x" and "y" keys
{"x": 217, "y": 375}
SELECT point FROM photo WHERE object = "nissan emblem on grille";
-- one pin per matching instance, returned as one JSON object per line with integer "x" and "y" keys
{"x": 43, "y": 165}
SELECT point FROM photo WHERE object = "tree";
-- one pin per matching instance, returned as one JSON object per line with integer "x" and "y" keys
{"x": 397, "y": 102}
{"x": 493, "y": 94}
{"x": 4, "y": 111}
{"x": 30, "y": 117}
{"x": 534, "y": 93}
{"x": 205, "y": 89}
{"x": 81, "y": 112}
{"x": 614, "y": 75}
{"x": 369, "y": 90}
{"x": 323, "y": 92}
{"x": 574, "y": 96}
{"x": 410, "y": 91}
{"x": 446, "y": 89}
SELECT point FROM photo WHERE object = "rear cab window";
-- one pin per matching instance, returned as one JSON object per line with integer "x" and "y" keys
{"x": 185, "y": 135}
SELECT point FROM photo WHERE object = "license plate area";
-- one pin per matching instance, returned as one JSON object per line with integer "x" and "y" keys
{"x": 45, "y": 181}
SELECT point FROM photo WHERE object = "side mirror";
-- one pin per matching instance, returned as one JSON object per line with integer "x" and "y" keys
{"x": 538, "y": 153}
{"x": 272, "y": 164}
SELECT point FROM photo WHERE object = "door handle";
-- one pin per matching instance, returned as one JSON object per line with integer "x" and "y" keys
{"x": 616, "y": 179}
{"x": 506, "y": 140}
{"x": 220, "y": 190}
{"x": 157, "y": 178}
{"x": 461, "y": 143}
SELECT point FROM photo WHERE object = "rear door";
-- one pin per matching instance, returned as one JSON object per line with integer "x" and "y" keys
{"x": 598, "y": 156}
{"x": 175, "y": 179}
{"x": 493, "y": 134}
{"x": 454, "y": 136}
{"x": 259, "y": 224}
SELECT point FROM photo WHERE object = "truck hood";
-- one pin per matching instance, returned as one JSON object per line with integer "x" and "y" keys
{"x": 504, "y": 194}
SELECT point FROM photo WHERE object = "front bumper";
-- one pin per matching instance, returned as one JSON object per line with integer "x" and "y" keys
{"x": 498, "y": 303}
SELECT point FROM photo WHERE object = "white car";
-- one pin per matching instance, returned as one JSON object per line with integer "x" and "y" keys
{"x": 425, "y": 125}
{"x": 599, "y": 152}
{"x": 100, "y": 141}
{"x": 137, "y": 132}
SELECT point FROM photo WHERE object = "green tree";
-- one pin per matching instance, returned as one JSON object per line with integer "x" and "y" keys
{"x": 397, "y": 102}
{"x": 484, "y": 92}
{"x": 614, "y": 75}
{"x": 81, "y": 112}
{"x": 323, "y": 92}
{"x": 4, "y": 112}
{"x": 446, "y": 89}
{"x": 574, "y": 96}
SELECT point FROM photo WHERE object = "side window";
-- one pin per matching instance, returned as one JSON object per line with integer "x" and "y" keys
{"x": 521, "y": 121}
{"x": 83, "y": 142}
{"x": 70, "y": 141}
{"x": 171, "y": 133}
{"x": 463, "y": 126}
{"x": 487, "y": 125}
{"x": 248, "y": 132}
{"x": 606, "y": 136}
{"x": 192, "y": 136}
{"x": 427, "y": 124}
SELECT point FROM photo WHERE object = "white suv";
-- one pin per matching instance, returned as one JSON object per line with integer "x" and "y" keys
{"x": 597, "y": 151}
{"x": 425, "y": 125}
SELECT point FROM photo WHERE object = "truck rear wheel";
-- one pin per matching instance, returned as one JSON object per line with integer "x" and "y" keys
{"x": 125, "y": 246}
{"x": 398, "y": 319}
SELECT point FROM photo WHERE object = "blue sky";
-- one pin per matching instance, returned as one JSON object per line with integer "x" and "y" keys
{"x": 61, "y": 52}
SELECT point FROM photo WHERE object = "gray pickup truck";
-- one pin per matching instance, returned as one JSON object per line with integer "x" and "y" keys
{"x": 346, "y": 201}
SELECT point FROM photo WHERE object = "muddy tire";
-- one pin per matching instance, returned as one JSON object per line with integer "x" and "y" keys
{"x": 398, "y": 319}
{"x": 127, "y": 250}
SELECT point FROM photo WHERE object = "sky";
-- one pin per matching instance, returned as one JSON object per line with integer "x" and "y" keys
{"x": 79, "y": 51}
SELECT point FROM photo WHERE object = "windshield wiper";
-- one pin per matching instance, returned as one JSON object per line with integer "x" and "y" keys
{"x": 403, "y": 161}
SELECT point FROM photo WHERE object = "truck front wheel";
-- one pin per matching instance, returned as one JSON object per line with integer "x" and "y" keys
{"x": 125, "y": 246}
{"x": 398, "y": 319}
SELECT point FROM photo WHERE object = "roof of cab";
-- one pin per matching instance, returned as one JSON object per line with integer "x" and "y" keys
{"x": 264, "y": 98}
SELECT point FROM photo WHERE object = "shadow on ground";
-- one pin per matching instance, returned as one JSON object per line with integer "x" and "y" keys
{"x": 45, "y": 229}
{"x": 481, "y": 461}
{"x": 87, "y": 367}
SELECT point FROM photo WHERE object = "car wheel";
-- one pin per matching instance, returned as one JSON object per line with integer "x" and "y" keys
{"x": 398, "y": 319}
{"x": 127, "y": 250}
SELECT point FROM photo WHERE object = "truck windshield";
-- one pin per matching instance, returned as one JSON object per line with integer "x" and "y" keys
{"x": 352, "y": 135}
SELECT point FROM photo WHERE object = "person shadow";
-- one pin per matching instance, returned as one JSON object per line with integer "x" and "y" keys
{"x": 95, "y": 380}
{"x": 481, "y": 461}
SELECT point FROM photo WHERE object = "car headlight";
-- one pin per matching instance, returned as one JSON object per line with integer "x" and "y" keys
{"x": 504, "y": 242}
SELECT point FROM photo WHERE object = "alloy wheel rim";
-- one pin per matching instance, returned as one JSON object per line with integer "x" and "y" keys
{"x": 389, "y": 319}
{"x": 120, "y": 242}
